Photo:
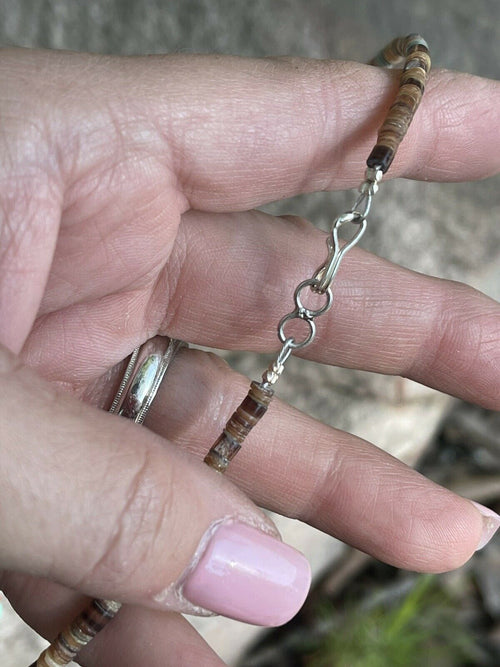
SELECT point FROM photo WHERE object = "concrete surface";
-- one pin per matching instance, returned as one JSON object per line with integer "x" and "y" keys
{"x": 448, "y": 230}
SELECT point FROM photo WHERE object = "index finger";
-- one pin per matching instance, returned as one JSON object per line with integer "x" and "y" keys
{"x": 237, "y": 132}
{"x": 248, "y": 131}
{"x": 141, "y": 140}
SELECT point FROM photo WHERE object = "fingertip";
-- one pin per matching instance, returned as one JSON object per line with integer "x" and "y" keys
{"x": 490, "y": 524}
{"x": 250, "y": 576}
{"x": 453, "y": 136}
{"x": 445, "y": 534}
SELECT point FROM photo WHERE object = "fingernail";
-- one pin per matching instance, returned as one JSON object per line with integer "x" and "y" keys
{"x": 249, "y": 576}
{"x": 491, "y": 523}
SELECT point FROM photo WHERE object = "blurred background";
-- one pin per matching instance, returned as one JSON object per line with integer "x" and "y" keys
{"x": 360, "y": 612}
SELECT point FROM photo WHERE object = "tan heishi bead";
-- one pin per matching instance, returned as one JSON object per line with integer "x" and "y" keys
{"x": 413, "y": 51}
{"x": 241, "y": 422}
{"x": 83, "y": 629}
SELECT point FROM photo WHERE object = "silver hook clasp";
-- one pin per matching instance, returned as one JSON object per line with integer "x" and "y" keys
{"x": 326, "y": 272}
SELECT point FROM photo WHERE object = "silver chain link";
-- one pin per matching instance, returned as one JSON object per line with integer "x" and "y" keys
{"x": 320, "y": 282}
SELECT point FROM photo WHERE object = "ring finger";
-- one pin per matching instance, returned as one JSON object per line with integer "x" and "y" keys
{"x": 294, "y": 465}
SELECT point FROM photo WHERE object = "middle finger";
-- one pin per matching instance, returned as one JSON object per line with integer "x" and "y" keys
{"x": 231, "y": 278}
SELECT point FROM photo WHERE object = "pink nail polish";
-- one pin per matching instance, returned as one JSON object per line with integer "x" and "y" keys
{"x": 491, "y": 523}
{"x": 249, "y": 576}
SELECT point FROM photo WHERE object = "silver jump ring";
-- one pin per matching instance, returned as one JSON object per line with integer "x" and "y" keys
{"x": 309, "y": 312}
{"x": 143, "y": 376}
{"x": 290, "y": 340}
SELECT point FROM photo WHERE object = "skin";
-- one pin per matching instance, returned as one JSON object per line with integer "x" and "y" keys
{"x": 127, "y": 188}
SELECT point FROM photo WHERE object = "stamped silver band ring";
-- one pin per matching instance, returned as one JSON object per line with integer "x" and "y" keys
{"x": 145, "y": 371}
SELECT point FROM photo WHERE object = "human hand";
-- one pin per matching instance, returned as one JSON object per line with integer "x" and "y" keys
{"x": 125, "y": 188}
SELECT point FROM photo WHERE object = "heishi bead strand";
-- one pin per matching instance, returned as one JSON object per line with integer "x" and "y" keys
{"x": 246, "y": 416}
{"x": 411, "y": 51}
{"x": 84, "y": 628}
{"x": 414, "y": 52}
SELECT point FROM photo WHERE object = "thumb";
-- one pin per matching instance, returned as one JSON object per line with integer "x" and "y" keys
{"x": 106, "y": 507}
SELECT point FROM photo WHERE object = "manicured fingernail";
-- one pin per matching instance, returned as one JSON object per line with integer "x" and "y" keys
{"x": 249, "y": 576}
{"x": 491, "y": 523}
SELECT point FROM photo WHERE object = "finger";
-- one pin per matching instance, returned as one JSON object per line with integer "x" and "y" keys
{"x": 220, "y": 123}
{"x": 137, "y": 636}
{"x": 100, "y": 505}
{"x": 384, "y": 318}
{"x": 231, "y": 278}
{"x": 268, "y": 129}
{"x": 334, "y": 481}
{"x": 143, "y": 636}
{"x": 139, "y": 141}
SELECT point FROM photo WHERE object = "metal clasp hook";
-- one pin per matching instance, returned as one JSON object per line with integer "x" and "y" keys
{"x": 326, "y": 272}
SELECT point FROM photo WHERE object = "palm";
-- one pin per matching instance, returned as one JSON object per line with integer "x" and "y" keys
{"x": 106, "y": 291}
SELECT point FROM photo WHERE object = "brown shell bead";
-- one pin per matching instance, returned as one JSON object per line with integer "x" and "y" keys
{"x": 83, "y": 629}
{"x": 241, "y": 422}
{"x": 413, "y": 51}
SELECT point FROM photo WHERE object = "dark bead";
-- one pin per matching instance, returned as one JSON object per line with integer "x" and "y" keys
{"x": 414, "y": 82}
{"x": 253, "y": 407}
{"x": 222, "y": 452}
{"x": 92, "y": 625}
{"x": 417, "y": 47}
{"x": 103, "y": 609}
{"x": 380, "y": 158}
{"x": 68, "y": 650}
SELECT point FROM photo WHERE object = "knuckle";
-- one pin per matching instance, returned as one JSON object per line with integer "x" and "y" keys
{"x": 464, "y": 322}
{"x": 140, "y": 518}
{"x": 327, "y": 492}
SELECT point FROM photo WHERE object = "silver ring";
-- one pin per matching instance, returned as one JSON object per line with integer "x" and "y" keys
{"x": 145, "y": 371}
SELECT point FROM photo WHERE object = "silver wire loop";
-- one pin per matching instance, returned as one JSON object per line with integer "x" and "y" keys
{"x": 273, "y": 372}
{"x": 290, "y": 340}
{"x": 364, "y": 200}
{"x": 309, "y": 313}
{"x": 285, "y": 352}
{"x": 327, "y": 271}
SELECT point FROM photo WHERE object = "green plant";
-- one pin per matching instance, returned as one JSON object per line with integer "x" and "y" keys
{"x": 422, "y": 630}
